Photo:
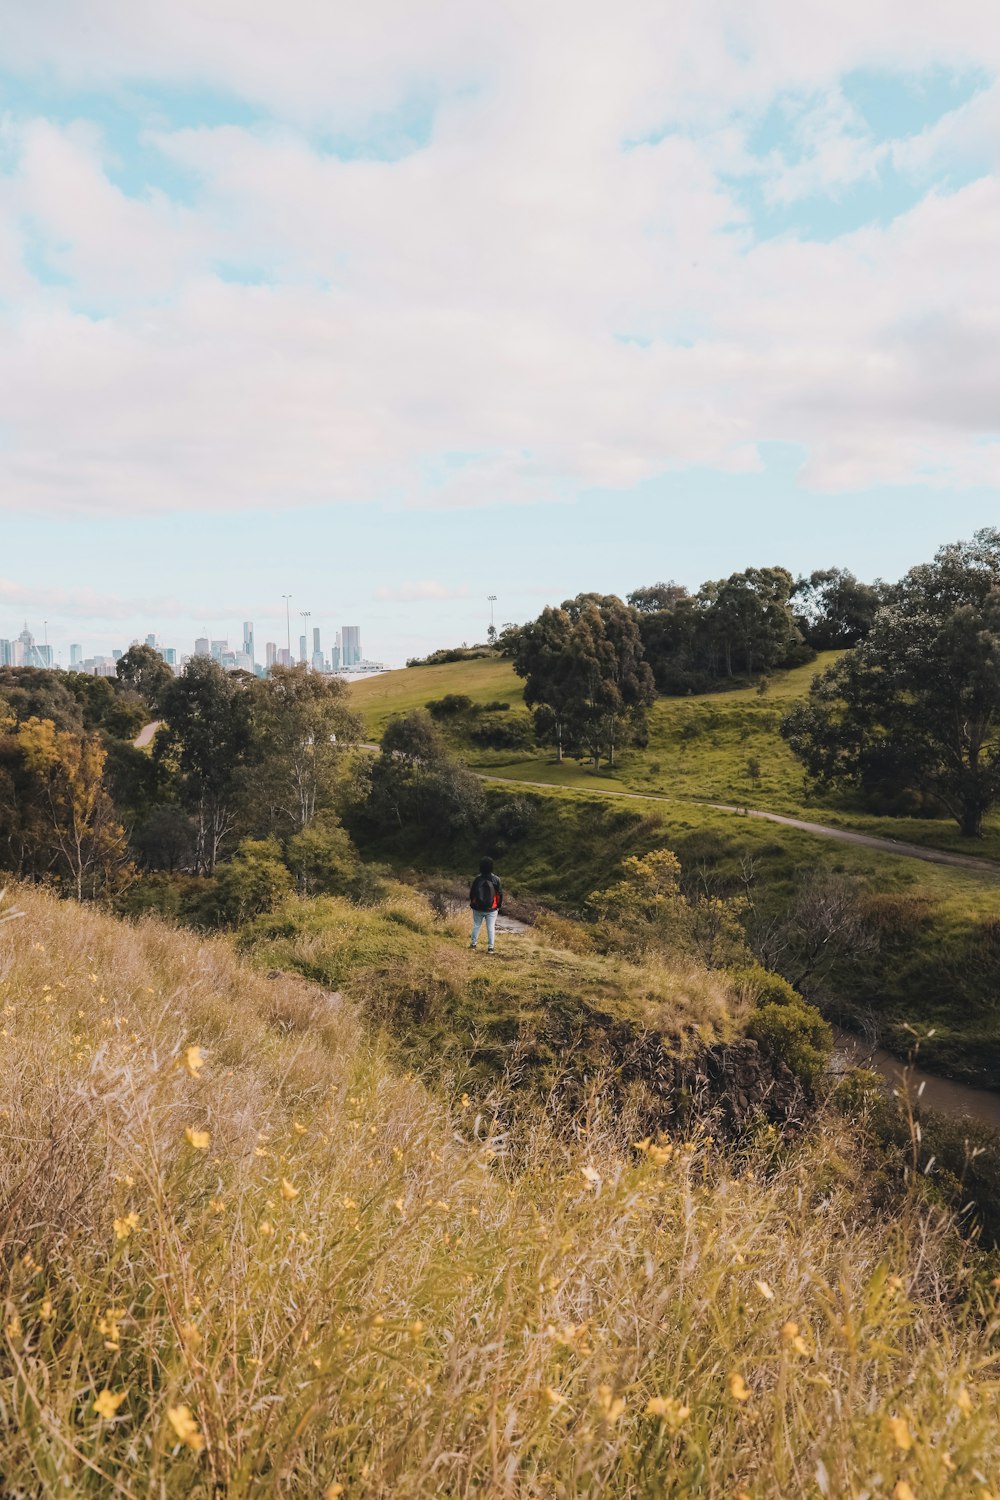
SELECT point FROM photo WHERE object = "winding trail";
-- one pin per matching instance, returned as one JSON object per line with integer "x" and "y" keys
{"x": 824, "y": 830}
{"x": 145, "y": 735}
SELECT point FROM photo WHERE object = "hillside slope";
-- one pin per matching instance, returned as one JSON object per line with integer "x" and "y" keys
{"x": 701, "y": 749}
{"x": 246, "y": 1255}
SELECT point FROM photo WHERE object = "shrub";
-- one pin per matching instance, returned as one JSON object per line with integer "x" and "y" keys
{"x": 764, "y": 987}
{"x": 793, "y": 1032}
{"x": 254, "y": 881}
{"x": 323, "y": 858}
{"x": 448, "y": 706}
{"x": 495, "y": 733}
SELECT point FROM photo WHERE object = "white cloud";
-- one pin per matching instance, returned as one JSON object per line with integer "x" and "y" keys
{"x": 517, "y": 310}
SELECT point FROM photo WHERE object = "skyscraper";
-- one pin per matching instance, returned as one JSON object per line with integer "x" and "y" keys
{"x": 270, "y": 654}
{"x": 151, "y": 640}
{"x": 351, "y": 648}
{"x": 248, "y": 639}
{"x": 317, "y": 656}
{"x": 302, "y": 648}
{"x": 75, "y": 655}
{"x": 201, "y": 646}
{"x": 219, "y": 649}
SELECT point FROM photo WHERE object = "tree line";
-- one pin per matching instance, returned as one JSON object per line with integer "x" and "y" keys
{"x": 236, "y": 760}
{"x": 592, "y": 665}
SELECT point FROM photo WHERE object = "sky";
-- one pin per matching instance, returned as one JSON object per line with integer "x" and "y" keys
{"x": 393, "y": 307}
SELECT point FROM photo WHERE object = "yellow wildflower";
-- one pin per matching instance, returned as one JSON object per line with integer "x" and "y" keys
{"x": 198, "y": 1139}
{"x": 552, "y": 1396}
{"x": 738, "y": 1388}
{"x": 895, "y": 1285}
{"x": 124, "y": 1227}
{"x": 193, "y": 1060}
{"x": 287, "y": 1191}
{"x": 299, "y": 1129}
{"x": 660, "y": 1155}
{"x": 668, "y": 1409}
{"x": 790, "y": 1335}
{"x": 333, "y": 1491}
{"x": 217, "y": 1205}
{"x": 611, "y": 1405}
{"x": 14, "y": 1328}
{"x": 45, "y": 1312}
{"x": 963, "y": 1400}
{"x": 191, "y": 1337}
{"x": 266, "y": 1228}
{"x": 186, "y": 1427}
{"x": 902, "y": 1491}
{"x": 108, "y": 1402}
{"x": 898, "y": 1429}
{"x": 416, "y": 1328}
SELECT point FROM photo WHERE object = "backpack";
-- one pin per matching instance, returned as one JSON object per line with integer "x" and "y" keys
{"x": 484, "y": 893}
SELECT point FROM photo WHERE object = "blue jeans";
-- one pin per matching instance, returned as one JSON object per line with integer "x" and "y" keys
{"x": 478, "y": 918}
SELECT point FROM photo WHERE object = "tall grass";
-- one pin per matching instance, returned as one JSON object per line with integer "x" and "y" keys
{"x": 245, "y": 1257}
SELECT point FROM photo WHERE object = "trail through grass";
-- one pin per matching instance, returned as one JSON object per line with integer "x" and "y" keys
{"x": 245, "y": 1255}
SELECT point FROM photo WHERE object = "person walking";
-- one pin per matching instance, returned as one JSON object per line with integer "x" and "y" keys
{"x": 486, "y": 900}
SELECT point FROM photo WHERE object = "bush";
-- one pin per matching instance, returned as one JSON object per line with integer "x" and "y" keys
{"x": 793, "y": 1032}
{"x": 495, "y": 733}
{"x": 448, "y": 706}
{"x": 254, "y": 881}
{"x": 323, "y": 858}
{"x": 764, "y": 987}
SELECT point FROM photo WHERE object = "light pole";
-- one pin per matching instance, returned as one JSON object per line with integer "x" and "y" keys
{"x": 492, "y": 600}
{"x": 288, "y": 627}
{"x": 305, "y": 613}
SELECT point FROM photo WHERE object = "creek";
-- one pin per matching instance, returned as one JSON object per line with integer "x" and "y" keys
{"x": 929, "y": 1089}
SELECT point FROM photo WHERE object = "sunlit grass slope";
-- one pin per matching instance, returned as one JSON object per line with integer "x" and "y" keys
{"x": 700, "y": 748}
{"x": 245, "y": 1257}
{"x": 379, "y": 698}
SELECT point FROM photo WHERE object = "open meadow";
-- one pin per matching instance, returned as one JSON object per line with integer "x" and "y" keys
{"x": 250, "y": 1254}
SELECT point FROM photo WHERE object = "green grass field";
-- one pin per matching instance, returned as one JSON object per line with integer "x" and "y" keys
{"x": 934, "y": 969}
{"x": 699, "y": 749}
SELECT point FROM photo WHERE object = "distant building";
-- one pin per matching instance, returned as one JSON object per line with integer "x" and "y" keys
{"x": 7, "y": 653}
{"x": 270, "y": 654}
{"x": 284, "y": 657}
{"x": 335, "y": 655}
{"x": 170, "y": 656}
{"x": 302, "y": 648}
{"x": 350, "y": 645}
{"x": 219, "y": 650}
{"x": 151, "y": 640}
{"x": 201, "y": 647}
{"x": 75, "y": 655}
{"x": 29, "y": 653}
{"x": 248, "y": 641}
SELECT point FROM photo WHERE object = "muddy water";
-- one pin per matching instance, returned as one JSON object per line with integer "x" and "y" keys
{"x": 937, "y": 1093}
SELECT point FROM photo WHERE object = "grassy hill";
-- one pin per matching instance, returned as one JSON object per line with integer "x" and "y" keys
{"x": 699, "y": 749}
{"x": 937, "y": 935}
{"x": 246, "y": 1253}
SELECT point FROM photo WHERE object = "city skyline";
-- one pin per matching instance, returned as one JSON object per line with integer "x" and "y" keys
{"x": 343, "y": 654}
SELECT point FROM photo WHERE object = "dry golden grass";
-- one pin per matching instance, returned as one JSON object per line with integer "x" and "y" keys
{"x": 350, "y": 1288}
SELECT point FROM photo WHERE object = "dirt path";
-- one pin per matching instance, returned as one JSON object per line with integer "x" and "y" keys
{"x": 845, "y": 835}
{"x": 145, "y": 735}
